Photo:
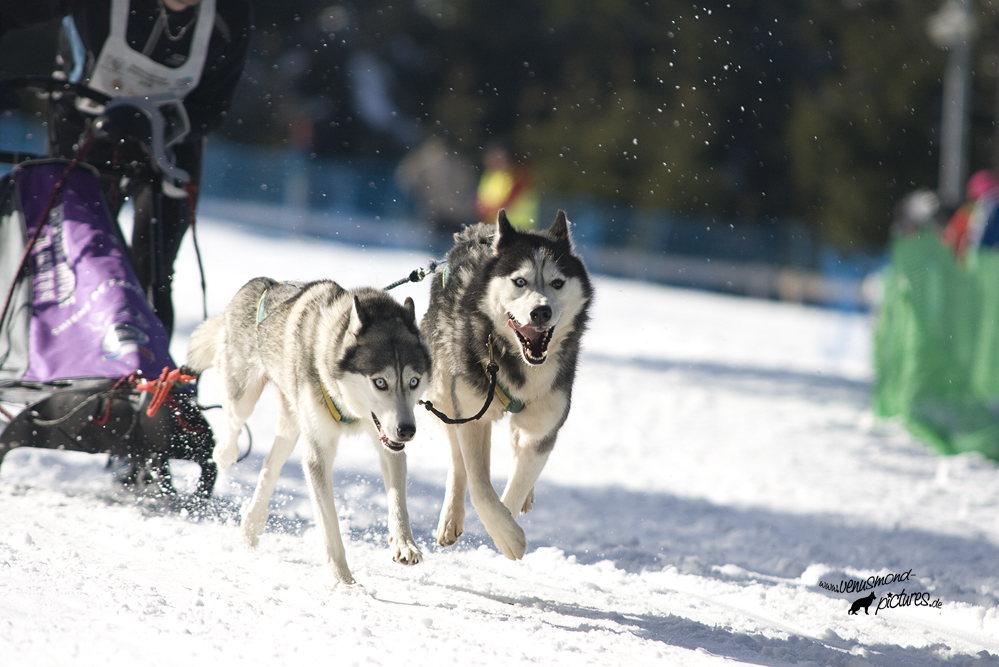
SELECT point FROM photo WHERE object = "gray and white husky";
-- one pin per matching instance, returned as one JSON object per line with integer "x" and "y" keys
{"x": 342, "y": 361}
{"x": 526, "y": 296}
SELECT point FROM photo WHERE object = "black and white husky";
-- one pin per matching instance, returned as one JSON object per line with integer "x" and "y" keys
{"x": 525, "y": 295}
{"x": 342, "y": 361}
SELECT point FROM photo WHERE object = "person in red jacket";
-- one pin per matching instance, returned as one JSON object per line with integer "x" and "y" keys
{"x": 961, "y": 230}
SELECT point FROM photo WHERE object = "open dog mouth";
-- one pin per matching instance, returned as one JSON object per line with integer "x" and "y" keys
{"x": 533, "y": 340}
{"x": 385, "y": 440}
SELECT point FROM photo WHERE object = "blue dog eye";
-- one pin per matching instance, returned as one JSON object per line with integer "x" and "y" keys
{"x": 519, "y": 282}
{"x": 381, "y": 384}
{"x": 414, "y": 383}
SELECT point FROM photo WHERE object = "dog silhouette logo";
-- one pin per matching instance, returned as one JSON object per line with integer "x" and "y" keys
{"x": 864, "y": 602}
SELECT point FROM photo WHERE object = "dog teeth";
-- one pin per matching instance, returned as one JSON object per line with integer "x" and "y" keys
{"x": 385, "y": 440}
{"x": 528, "y": 346}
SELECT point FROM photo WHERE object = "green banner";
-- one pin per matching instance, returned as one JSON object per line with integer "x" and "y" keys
{"x": 936, "y": 346}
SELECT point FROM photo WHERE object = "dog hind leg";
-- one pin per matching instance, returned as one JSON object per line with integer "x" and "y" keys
{"x": 452, "y": 521}
{"x": 255, "y": 514}
{"x": 318, "y": 466}
{"x": 400, "y": 531}
{"x": 238, "y": 406}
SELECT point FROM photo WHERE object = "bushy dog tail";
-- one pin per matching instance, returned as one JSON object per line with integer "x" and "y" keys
{"x": 204, "y": 344}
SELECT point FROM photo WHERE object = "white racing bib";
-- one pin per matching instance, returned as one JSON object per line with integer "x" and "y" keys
{"x": 121, "y": 71}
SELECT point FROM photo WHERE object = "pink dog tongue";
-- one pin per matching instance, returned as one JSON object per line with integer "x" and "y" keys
{"x": 527, "y": 331}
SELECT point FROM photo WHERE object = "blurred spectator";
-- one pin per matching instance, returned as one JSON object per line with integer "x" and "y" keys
{"x": 916, "y": 212}
{"x": 508, "y": 183}
{"x": 296, "y": 173}
{"x": 983, "y": 225}
{"x": 441, "y": 183}
{"x": 969, "y": 226}
{"x": 371, "y": 94}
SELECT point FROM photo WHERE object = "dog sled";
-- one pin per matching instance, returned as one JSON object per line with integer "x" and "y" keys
{"x": 84, "y": 361}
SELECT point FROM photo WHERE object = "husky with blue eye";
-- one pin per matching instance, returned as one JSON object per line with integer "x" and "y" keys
{"x": 342, "y": 361}
{"x": 519, "y": 299}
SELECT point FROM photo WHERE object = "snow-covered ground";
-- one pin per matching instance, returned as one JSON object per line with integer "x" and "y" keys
{"x": 719, "y": 463}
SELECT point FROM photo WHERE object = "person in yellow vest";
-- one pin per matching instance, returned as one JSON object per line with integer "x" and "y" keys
{"x": 507, "y": 183}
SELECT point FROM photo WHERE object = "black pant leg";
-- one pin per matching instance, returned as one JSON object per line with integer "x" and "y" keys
{"x": 174, "y": 223}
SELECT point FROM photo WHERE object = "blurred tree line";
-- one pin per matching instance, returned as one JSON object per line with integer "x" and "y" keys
{"x": 822, "y": 110}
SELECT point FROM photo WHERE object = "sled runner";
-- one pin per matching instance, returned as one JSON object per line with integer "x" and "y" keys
{"x": 84, "y": 361}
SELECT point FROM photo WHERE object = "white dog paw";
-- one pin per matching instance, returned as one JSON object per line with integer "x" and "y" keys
{"x": 406, "y": 552}
{"x": 343, "y": 579}
{"x": 528, "y": 503}
{"x": 450, "y": 529}
{"x": 511, "y": 540}
{"x": 251, "y": 540}
{"x": 251, "y": 535}
{"x": 225, "y": 455}
{"x": 448, "y": 533}
{"x": 349, "y": 587}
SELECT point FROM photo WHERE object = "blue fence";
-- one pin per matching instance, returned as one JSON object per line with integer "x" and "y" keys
{"x": 294, "y": 178}
{"x": 19, "y": 132}
{"x": 360, "y": 200}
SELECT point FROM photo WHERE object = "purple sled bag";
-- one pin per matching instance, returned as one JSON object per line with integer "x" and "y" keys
{"x": 77, "y": 323}
{"x": 89, "y": 317}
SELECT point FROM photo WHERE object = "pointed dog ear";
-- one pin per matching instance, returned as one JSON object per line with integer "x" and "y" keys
{"x": 505, "y": 232}
{"x": 358, "y": 318}
{"x": 410, "y": 309}
{"x": 559, "y": 231}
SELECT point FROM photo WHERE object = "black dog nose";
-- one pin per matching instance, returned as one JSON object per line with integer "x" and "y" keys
{"x": 541, "y": 315}
{"x": 405, "y": 432}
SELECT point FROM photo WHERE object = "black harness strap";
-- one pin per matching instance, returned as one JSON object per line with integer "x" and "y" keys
{"x": 416, "y": 275}
{"x": 492, "y": 368}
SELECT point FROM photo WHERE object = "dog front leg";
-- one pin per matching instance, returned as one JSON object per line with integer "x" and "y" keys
{"x": 528, "y": 462}
{"x": 255, "y": 514}
{"x": 400, "y": 531}
{"x": 452, "y": 521}
{"x": 508, "y": 536}
{"x": 318, "y": 466}
{"x": 532, "y": 436}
